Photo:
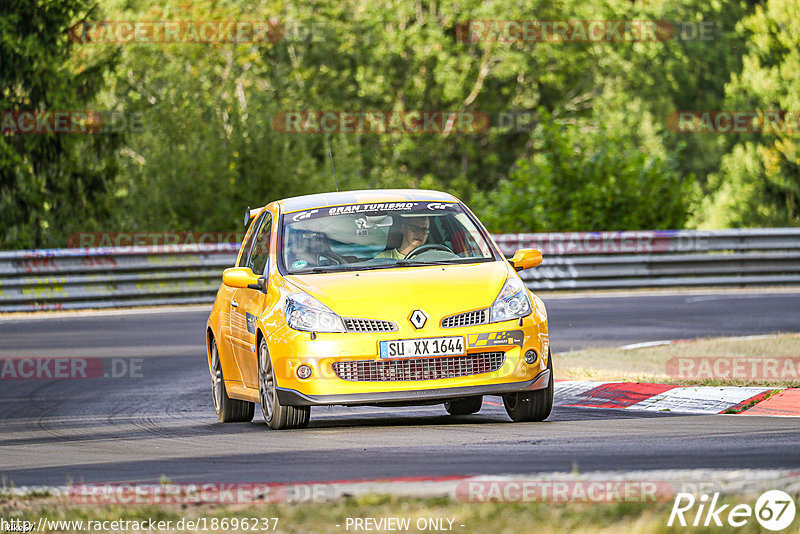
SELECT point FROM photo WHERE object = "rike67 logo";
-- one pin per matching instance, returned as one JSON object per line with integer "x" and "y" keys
{"x": 774, "y": 510}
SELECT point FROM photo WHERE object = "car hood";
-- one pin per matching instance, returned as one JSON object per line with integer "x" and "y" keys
{"x": 393, "y": 294}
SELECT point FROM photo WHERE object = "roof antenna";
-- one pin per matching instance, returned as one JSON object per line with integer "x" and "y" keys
{"x": 330, "y": 153}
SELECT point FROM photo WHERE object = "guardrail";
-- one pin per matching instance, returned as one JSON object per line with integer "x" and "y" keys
{"x": 62, "y": 279}
{"x": 667, "y": 258}
{"x": 56, "y": 279}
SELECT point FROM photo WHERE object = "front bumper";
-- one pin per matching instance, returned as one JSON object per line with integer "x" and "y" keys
{"x": 290, "y": 349}
{"x": 291, "y": 397}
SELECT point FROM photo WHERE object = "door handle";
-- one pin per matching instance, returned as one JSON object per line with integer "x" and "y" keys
{"x": 234, "y": 304}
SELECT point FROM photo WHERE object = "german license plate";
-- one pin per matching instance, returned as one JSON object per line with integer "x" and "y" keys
{"x": 413, "y": 348}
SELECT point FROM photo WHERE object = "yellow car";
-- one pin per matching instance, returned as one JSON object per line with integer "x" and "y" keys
{"x": 380, "y": 297}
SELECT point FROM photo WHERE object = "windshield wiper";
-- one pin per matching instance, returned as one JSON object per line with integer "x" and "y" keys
{"x": 417, "y": 263}
{"x": 341, "y": 269}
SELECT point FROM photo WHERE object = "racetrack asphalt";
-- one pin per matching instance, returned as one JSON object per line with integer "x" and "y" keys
{"x": 160, "y": 422}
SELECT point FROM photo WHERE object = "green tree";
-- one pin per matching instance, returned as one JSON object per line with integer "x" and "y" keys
{"x": 688, "y": 70}
{"x": 209, "y": 146}
{"x": 50, "y": 184}
{"x": 588, "y": 180}
{"x": 759, "y": 179}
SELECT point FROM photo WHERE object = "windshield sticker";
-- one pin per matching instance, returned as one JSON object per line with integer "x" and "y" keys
{"x": 299, "y": 264}
{"x": 379, "y": 208}
{"x": 371, "y": 208}
{"x": 303, "y": 215}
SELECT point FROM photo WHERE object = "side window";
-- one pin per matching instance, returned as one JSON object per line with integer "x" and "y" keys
{"x": 248, "y": 244}
{"x": 260, "y": 252}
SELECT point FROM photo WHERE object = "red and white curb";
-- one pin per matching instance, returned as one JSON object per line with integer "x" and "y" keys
{"x": 785, "y": 403}
{"x": 678, "y": 399}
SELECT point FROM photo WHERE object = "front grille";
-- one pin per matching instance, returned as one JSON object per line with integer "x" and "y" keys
{"x": 369, "y": 325}
{"x": 470, "y": 318}
{"x": 419, "y": 368}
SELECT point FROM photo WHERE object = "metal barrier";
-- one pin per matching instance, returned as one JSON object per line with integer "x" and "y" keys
{"x": 62, "y": 279}
{"x": 57, "y": 279}
{"x": 667, "y": 258}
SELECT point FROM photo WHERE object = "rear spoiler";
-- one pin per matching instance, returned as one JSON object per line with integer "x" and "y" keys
{"x": 249, "y": 214}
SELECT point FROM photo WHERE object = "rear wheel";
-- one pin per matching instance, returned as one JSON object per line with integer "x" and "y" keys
{"x": 277, "y": 416}
{"x": 228, "y": 410}
{"x": 464, "y": 406}
{"x": 531, "y": 405}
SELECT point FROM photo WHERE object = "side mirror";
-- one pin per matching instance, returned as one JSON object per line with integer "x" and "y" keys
{"x": 241, "y": 277}
{"x": 526, "y": 258}
{"x": 261, "y": 284}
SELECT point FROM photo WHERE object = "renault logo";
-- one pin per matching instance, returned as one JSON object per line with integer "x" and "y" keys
{"x": 418, "y": 318}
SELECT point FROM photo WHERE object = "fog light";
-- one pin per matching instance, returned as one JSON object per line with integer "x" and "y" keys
{"x": 531, "y": 357}
{"x": 303, "y": 372}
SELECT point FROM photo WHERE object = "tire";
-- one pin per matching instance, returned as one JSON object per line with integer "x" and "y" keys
{"x": 277, "y": 416}
{"x": 228, "y": 410}
{"x": 531, "y": 405}
{"x": 464, "y": 406}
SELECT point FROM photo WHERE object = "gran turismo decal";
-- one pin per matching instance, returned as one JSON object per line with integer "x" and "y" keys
{"x": 369, "y": 208}
{"x": 490, "y": 339}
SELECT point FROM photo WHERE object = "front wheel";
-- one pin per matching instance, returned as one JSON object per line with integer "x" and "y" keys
{"x": 277, "y": 416}
{"x": 228, "y": 410}
{"x": 531, "y": 405}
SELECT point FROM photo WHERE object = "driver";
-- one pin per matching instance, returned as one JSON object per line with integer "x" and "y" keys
{"x": 415, "y": 233}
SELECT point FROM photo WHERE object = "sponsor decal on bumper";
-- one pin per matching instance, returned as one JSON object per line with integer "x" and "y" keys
{"x": 491, "y": 339}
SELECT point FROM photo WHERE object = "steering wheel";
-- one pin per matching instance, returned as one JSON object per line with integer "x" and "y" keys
{"x": 424, "y": 248}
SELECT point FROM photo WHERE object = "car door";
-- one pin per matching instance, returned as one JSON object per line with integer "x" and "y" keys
{"x": 227, "y": 334}
{"x": 248, "y": 304}
{"x": 234, "y": 328}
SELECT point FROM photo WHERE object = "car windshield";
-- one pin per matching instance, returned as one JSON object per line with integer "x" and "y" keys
{"x": 374, "y": 236}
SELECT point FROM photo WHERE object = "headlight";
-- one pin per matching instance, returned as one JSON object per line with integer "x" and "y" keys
{"x": 511, "y": 303}
{"x": 304, "y": 312}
